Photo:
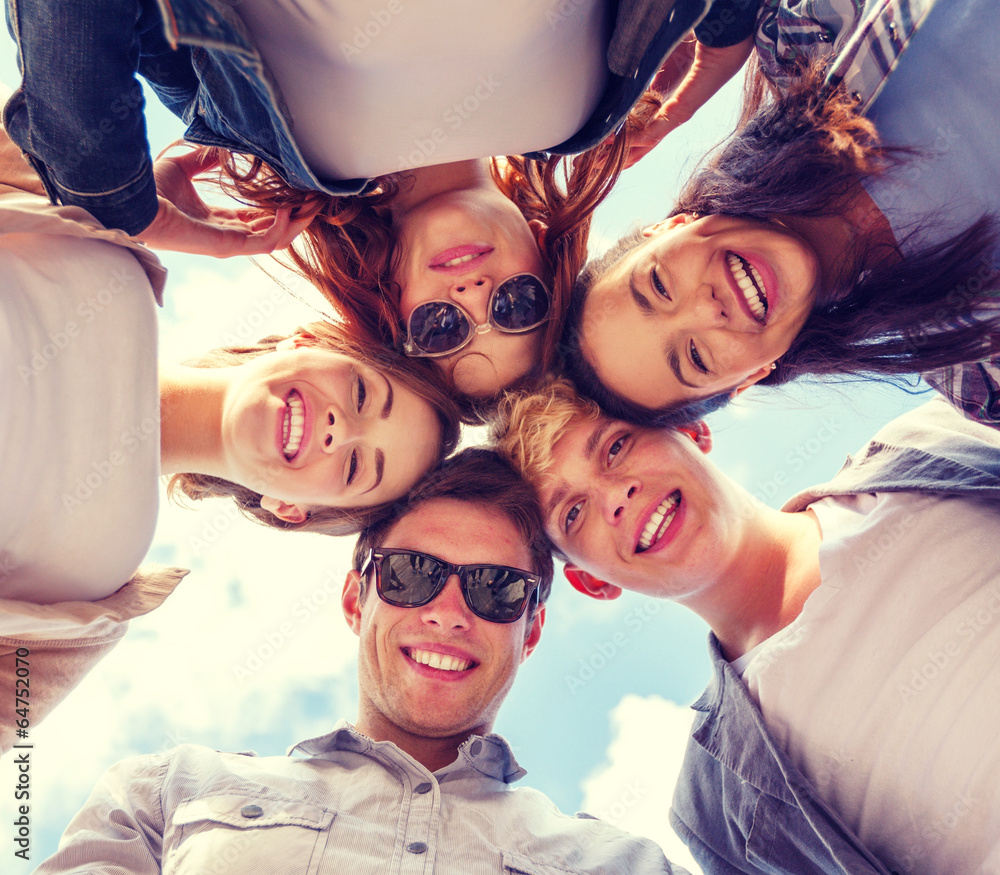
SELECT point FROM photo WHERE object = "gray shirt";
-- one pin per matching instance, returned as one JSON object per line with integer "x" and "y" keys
{"x": 347, "y": 804}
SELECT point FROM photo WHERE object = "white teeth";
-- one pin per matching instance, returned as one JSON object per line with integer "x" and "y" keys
{"x": 751, "y": 284}
{"x": 659, "y": 521}
{"x": 439, "y": 660}
{"x": 462, "y": 259}
{"x": 295, "y": 418}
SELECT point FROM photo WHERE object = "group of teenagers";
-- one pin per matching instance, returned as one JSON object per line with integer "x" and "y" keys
{"x": 848, "y": 227}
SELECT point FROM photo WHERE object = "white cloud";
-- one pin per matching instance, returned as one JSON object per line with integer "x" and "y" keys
{"x": 634, "y": 787}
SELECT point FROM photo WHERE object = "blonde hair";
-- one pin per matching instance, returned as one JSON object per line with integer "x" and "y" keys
{"x": 528, "y": 424}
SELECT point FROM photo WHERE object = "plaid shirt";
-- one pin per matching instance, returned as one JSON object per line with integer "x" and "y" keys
{"x": 865, "y": 38}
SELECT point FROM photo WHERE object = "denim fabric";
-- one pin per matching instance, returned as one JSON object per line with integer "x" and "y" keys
{"x": 740, "y": 804}
{"x": 78, "y": 114}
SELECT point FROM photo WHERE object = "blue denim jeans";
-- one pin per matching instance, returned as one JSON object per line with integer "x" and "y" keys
{"x": 78, "y": 114}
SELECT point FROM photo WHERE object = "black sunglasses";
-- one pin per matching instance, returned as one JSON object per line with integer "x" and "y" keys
{"x": 408, "y": 579}
{"x": 437, "y": 328}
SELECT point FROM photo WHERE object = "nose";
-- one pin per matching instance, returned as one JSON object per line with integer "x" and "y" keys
{"x": 448, "y": 609}
{"x": 472, "y": 293}
{"x": 337, "y": 429}
{"x": 705, "y": 309}
{"x": 617, "y": 496}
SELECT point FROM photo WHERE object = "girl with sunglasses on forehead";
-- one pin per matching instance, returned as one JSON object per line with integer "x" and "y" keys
{"x": 849, "y": 227}
{"x": 468, "y": 265}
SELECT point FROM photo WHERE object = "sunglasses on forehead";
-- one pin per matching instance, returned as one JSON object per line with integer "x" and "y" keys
{"x": 436, "y": 328}
{"x": 408, "y": 579}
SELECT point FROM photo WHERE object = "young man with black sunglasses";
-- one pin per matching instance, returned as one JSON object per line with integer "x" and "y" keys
{"x": 447, "y": 597}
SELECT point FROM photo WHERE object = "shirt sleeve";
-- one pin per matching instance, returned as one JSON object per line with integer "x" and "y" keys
{"x": 974, "y": 388}
{"x": 119, "y": 830}
{"x": 727, "y": 23}
{"x": 46, "y": 650}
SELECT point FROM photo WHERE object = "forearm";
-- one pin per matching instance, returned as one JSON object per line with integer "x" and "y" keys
{"x": 79, "y": 111}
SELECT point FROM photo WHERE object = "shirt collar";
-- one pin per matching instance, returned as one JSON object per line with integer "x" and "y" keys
{"x": 489, "y": 755}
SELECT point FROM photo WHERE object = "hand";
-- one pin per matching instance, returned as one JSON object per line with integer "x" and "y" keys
{"x": 185, "y": 223}
{"x": 701, "y": 71}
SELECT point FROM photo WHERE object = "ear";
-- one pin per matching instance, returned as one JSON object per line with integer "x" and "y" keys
{"x": 585, "y": 582}
{"x": 669, "y": 224}
{"x": 290, "y": 513}
{"x": 539, "y": 229}
{"x": 350, "y": 599}
{"x": 534, "y": 633}
{"x": 699, "y": 433}
{"x": 755, "y": 377}
{"x": 296, "y": 341}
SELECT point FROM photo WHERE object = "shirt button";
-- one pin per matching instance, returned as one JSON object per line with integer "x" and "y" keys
{"x": 416, "y": 847}
{"x": 422, "y": 788}
{"x": 251, "y": 811}
{"x": 477, "y": 746}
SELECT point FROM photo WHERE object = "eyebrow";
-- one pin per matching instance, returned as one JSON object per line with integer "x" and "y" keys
{"x": 640, "y": 299}
{"x": 379, "y": 471}
{"x": 557, "y": 498}
{"x": 595, "y": 439}
{"x": 387, "y": 407}
{"x": 675, "y": 365}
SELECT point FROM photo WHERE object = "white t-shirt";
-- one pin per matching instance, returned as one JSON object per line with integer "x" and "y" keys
{"x": 885, "y": 690}
{"x": 374, "y": 88}
{"x": 79, "y": 417}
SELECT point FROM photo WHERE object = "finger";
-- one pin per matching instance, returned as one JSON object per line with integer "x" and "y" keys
{"x": 195, "y": 161}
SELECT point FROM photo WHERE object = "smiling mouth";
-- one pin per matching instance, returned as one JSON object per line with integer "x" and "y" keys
{"x": 659, "y": 522}
{"x": 751, "y": 284}
{"x": 439, "y": 660}
{"x": 293, "y": 426}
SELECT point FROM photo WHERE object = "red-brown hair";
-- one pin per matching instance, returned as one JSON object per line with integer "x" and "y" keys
{"x": 349, "y": 250}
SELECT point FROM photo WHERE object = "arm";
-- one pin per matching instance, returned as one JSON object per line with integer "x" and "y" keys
{"x": 79, "y": 110}
{"x": 78, "y": 116}
{"x": 119, "y": 830}
{"x": 45, "y": 650}
{"x": 705, "y": 70}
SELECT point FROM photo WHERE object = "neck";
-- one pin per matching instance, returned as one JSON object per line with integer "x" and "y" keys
{"x": 431, "y": 753}
{"x": 191, "y": 402}
{"x": 775, "y": 570}
{"x": 424, "y": 183}
{"x": 858, "y": 228}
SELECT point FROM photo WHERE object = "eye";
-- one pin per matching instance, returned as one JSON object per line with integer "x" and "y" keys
{"x": 617, "y": 447}
{"x": 660, "y": 289}
{"x": 354, "y": 467}
{"x": 362, "y": 392}
{"x": 696, "y": 359}
{"x": 571, "y": 516}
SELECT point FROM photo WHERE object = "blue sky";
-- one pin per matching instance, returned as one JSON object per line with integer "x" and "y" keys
{"x": 252, "y": 652}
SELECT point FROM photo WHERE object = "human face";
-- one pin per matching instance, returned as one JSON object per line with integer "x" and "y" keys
{"x": 307, "y": 427}
{"x": 641, "y": 508}
{"x": 458, "y": 246}
{"x": 400, "y": 693}
{"x": 670, "y": 322}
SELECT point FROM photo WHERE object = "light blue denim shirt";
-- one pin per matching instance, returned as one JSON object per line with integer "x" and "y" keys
{"x": 741, "y": 805}
{"x": 343, "y": 803}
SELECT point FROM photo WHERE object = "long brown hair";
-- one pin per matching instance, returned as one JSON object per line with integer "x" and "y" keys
{"x": 349, "y": 251}
{"x": 801, "y": 155}
{"x": 325, "y": 520}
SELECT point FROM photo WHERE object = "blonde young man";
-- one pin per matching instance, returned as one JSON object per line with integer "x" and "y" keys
{"x": 849, "y": 725}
